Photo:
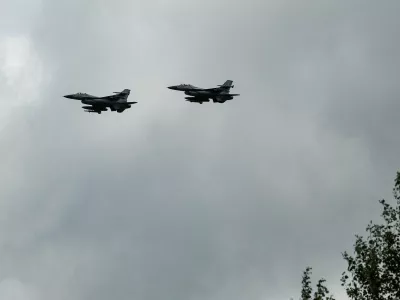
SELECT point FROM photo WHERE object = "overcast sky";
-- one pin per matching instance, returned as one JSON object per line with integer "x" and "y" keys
{"x": 175, "y": 200}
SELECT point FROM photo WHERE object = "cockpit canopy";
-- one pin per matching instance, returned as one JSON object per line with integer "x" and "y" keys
{"x": 186, "y": 86}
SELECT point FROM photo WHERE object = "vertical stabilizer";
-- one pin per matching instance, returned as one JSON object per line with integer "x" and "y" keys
{"x": 125, "y": 94}
{"x": 227, "y": 84}
{"x": 225, "y": 88}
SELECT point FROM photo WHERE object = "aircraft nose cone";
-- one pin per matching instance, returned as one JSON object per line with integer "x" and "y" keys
{"x": 68, "y": 96}
{"x": 172, "y": 87}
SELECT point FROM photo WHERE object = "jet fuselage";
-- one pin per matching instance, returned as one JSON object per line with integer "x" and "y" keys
{"x": 219, "y": 94}
{"x": 116, "y": 102}
{"x": 106, "y": 103}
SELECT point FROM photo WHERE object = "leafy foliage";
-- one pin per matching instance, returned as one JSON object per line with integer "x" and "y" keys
{"x": 306, "y": 289}
{"x": 373, "y": 273}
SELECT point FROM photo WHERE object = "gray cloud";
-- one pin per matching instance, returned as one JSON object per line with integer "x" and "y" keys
{"x": 180, "y": 201}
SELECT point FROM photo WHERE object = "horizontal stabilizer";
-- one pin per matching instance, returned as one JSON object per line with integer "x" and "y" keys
{"x": 131, "y": 102}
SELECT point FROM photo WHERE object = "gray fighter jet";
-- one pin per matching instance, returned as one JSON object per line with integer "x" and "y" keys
{"x": 199, "y": 95}
{"x": 94, "y": 104}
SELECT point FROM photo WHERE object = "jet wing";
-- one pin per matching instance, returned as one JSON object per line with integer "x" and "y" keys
{"x": 112, "y": 97}
{"x": 118, "y": 95}
{"x": 217, "y": 90}
{"x": 216, "y": 93}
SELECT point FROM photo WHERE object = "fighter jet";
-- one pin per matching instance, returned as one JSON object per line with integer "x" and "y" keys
{"x": 94, "y": 104}
{"x": 199, "y": 95}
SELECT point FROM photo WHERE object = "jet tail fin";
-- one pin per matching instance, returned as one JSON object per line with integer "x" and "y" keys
{"x": 227, "y": 84}
{"x": 125, "y": 91}
{"x": 124, "y": 94}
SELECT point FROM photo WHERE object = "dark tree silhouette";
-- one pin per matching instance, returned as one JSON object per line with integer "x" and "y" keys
{"x": 373, "y": 272}
{"x": 321, "y": 292}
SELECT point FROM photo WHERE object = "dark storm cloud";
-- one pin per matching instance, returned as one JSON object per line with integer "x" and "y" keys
{"x": 173, "y": 200}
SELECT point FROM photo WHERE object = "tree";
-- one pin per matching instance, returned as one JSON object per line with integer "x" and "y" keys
{"x": 306, "y": 289}
{"x": 373, "y": 272}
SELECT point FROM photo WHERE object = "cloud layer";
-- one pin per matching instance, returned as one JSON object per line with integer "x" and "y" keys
{"x": 183, "y": 201}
